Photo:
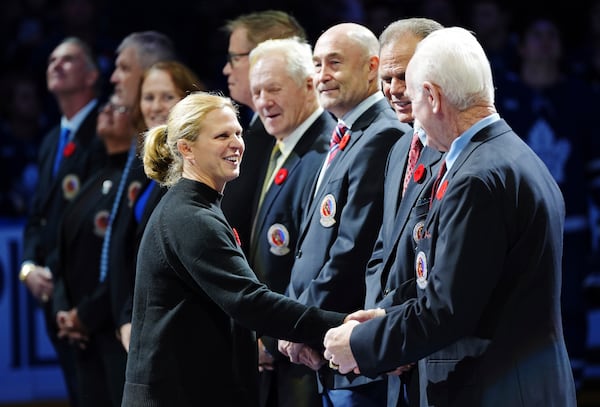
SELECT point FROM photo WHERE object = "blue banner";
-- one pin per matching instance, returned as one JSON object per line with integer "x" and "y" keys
{"x": 28, "y": 367}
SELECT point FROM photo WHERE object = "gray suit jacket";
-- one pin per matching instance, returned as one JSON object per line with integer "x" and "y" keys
{"x": 342, "y": 222}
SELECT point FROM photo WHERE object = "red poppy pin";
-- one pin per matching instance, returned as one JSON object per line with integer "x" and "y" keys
{"x": 442, "y": 190}
{"x": 344, "y": 141}
{"x": 237, "y": 237}
{"x": 419, "y": 174}
{"x": 69, "y": 149}
{"x": 281, "y": 176}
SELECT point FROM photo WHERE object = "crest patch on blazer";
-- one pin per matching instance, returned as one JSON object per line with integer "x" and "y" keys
{"x": 101, "y": 222}
{"x": 421, "y": 270}
{"x": 279, "y": 239}
{"x": 133, "y": 191}
{"x": 70, "y": 186}
{"x": 328, "y": 209}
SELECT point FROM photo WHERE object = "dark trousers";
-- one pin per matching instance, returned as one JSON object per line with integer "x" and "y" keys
{"x": 65, "y": 354}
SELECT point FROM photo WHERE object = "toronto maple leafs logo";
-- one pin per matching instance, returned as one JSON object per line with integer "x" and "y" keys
{"x": 551, "y": 149}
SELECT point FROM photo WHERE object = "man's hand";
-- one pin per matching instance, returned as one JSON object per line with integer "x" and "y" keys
{"x": 125, "y": 335}
{"x": 39, "y": 283}
{"x": 365, "y": 315}
{"x": 300, "y": 353}
{"x": 290, "y": 349}
{"x": 337, "y": 348}
{"x": 70, "y": 327}
{"x": 311, "y": 358}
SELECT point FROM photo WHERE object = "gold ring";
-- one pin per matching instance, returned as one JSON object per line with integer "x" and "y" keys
{"x": 333, "y": 365}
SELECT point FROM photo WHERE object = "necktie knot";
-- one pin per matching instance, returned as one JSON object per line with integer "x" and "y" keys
{"x": 338, "y": 133}
{"x": 336, "y": 138}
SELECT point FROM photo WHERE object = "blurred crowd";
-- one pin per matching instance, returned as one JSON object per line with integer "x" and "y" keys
{"x": 32, "y": 28}
{"x": 548, "y": 81}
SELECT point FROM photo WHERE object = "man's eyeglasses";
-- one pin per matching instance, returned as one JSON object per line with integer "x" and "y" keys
{"x": 112, "y": 107}
{"x": 234, "y": 58}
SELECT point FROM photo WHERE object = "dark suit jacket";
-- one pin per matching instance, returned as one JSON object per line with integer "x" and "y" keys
{"x": 80, "y": 245}
{"x": 54, "y": 193}
{"x": 485, "y": 325}
{"x": 196, "y": 301}
{"x": 390, "y": 272}
{"x": 272, "y": 258}
{"x": 273, "y": 246}
{"x": 240, "y": 193}
{"x": 123, "y": 247}
{"x": 342, "y": 221}
{"x": 121, "y": 284}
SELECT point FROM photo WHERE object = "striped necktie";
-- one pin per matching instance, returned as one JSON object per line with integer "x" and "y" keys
{"x": 336, "y": 137}
{"x": 413, "y": 157}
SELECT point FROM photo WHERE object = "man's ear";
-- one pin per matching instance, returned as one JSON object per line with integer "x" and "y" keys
{"x": 433, "y": 95}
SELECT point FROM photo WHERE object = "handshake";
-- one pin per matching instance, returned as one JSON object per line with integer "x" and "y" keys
{"x": 337, "y": 346}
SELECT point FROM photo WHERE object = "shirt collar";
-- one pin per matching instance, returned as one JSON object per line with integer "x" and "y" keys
{"x": 79, "y": 117}
{"x": 459, "y": 144}
{"x": 349, "y": 118}
{"x": 287, "y": 144}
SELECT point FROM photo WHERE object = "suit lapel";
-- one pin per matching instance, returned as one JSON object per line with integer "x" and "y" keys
{"x": 429, "y": 158}
{"x": 356, "y": 131}
{"x": 487, "y": 133}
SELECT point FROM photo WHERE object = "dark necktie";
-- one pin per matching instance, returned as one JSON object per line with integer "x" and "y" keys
{"x": 336, "y": 137}
{"x": 413, "y": 157}
{"x": 62, "y": 142}
{"x": 113, "y": 214}
{"x": 436, "y": 184}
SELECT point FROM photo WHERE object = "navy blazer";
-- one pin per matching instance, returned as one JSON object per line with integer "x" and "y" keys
{"x": 390, "y": 272}
{"x": 485, "y": 325}
{"x": 53, "y": 193}
{"x": 343, "y": 219}
{"x": 277, "y": 223}
{"x": 390, "y": 275}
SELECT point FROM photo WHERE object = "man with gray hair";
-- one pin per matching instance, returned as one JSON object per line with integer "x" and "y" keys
{"x": 245, "y": 33}
{"x": 285, "y": 98}
{"x": 136, "y": 53}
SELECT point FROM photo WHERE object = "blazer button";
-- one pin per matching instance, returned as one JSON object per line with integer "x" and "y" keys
{"x": 386, "y": 292}
{"x": 299, "y": 254}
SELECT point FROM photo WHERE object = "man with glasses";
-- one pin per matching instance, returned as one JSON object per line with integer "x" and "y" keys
{"x": 69, "y": 154}
{"x": 245, "y": 33}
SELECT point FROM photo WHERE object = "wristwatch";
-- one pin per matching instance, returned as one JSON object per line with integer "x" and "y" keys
{"x": 26, "y": 268}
